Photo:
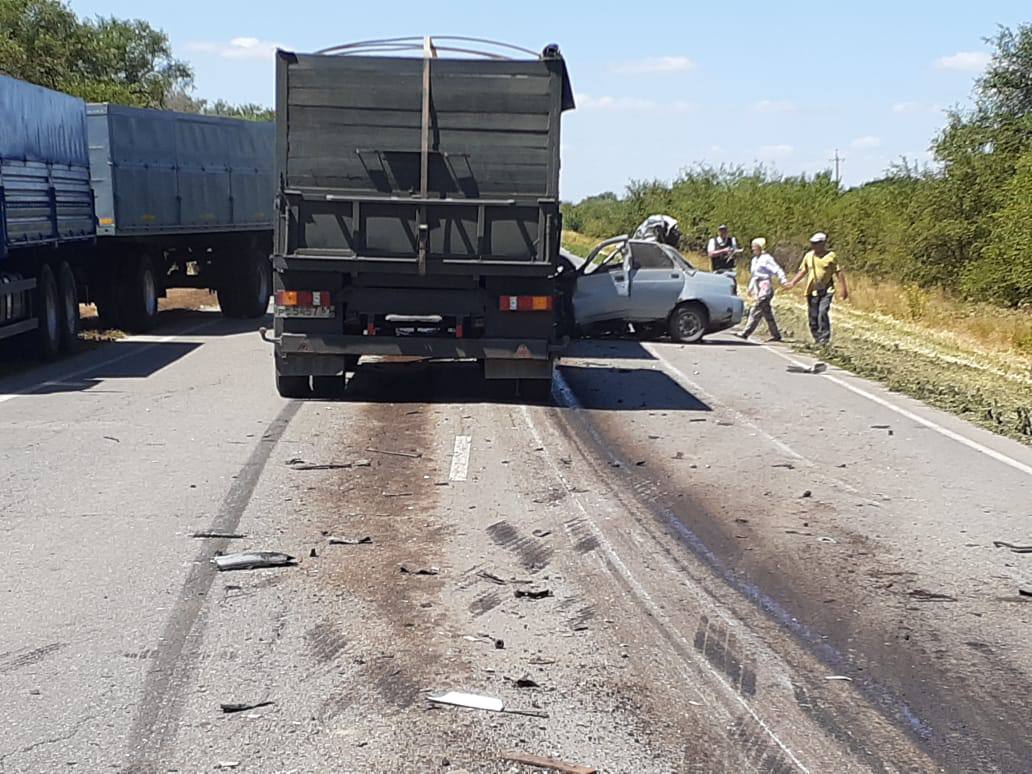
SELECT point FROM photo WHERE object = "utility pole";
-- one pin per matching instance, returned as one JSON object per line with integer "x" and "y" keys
{"x": 838, "y": 162}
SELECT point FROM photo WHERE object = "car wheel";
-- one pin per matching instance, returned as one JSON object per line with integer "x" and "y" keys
{"x": 688, "y": 323}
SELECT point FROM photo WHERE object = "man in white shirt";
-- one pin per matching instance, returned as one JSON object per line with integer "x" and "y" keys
{"x": 721, "y": 250}
{"x": 761, "y": 288}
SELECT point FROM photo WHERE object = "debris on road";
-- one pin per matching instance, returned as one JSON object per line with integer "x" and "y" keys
{"x": 492, "y": 578}
{"x": 806, "y": 493}
{"x": 816, "y": 368}
{"x": 111, "y": 438}
{"x": 252, "y": 560}
{"x": 230, "y": 708}
{"x": 214, "y": 533}
{"x": 1015, "y": 548}
{"x": 548, "y": 763}
{"x": 826, "y": 539}
{"x": 406, "y": 570}
{"x": 344, "y": 541}
{"x": 410, "y": 455}
{"x": 1024, "y": 592}
{"x": 786, "y": 465}
{"x": 227, "y": 764}
{"x": 324, "y": 466}
{"x": 839, "y": 677}
{"x": 532, "y": 593}
{"x": 469, "y": 700}
{"x": 540, "y": 533}
{"x": 525, "y": 682}
{"x": 921, "y": 595}
{"x": 396, "y": 494}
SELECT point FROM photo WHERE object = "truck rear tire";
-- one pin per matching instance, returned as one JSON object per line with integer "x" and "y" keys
{"x": 535, "y": 390}
{"x": 246, "y": 293}
{"x": 140, "y": 296}
{"x": 290, "y": 386}
{"x": 68, "y": 293}
{"x": 48, "y": 314}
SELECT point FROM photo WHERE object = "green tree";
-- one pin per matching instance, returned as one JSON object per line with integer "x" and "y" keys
{"x": 102, "y": 59}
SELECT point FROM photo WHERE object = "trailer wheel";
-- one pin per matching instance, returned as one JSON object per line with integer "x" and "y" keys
{"x": 246, "y": 294}
{"x": 48, "y": 334}
{"x": 68, "y": 292}
{"x": 290, "y": 386}
{"x": 140, "y": 296}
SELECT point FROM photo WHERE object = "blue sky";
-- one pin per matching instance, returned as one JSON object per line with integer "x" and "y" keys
{"x": 660, "y": 86}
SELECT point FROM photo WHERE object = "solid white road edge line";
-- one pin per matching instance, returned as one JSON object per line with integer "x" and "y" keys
{"x": 460, "y": 458}
{"x": 944, "y": 431}
{"x": 149, "y": 341}
{"x": 566, "y": 396}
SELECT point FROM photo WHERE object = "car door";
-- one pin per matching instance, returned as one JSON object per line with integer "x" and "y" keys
{"x": 656, "y": 282}
{"x": 602, "y": 290}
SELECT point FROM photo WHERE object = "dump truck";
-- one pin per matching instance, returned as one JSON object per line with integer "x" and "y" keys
{"x": 114, "y": 205}
{"x": 418, "y": 210}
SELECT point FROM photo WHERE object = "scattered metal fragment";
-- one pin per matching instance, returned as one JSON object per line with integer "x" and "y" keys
{"x": 214, "y": 533}
{"x": 532, "y": 593}
{"x": 1025, "y": 592}
{"x": 406, "y": 570}
{"x": 1015, "y": 548}
{"x": 252, "y": 560}
{"x": 294, "y": 461}
{"x": 826, "y": 539}
{"x": 880, "y": 427}
{"x": 540, "y": 533}
{"x": 640, "y": 463}
{"x": 547, "y": 763}
{"x": 344, "y": 541}
{"x": 363, "y": 463}
{"x": 839, "y": 677}
{"x": 470, "y": 700}
{"x": 525, "y": 682}
{"x": 786, "y": 465}
{"x": 816, "y": 368}
{"x": 243, "y": 707}
{"x": 492, "y": 578}
{"x": 324, "y": 466}
{"x": 111, "y": 438}
{"x": 806, "y": 493}
{"x": 410, "y": 455}
{"x": 922, "y": 595}
{"x": 227, "y": 764}
{"x": 396, "y": 494}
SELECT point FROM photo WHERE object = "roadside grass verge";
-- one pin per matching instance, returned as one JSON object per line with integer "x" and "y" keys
{"x": 975, "y": 384}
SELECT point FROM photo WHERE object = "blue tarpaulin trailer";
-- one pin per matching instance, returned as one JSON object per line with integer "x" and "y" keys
{"x": 114, "y": 205}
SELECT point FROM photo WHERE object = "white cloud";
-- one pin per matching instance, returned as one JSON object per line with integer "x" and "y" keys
{"x": 867, "y": 141}
{"x": 964, "y": 61}
{"x": 774, "y": 106}
{"x": 775, "y": 151}
{"x": 659, "y": 64}
{"x": 236, "y": 48}
{"x": 630, "y": 104}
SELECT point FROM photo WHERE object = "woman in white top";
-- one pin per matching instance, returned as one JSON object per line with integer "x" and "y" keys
{"x": 761, "y": 289}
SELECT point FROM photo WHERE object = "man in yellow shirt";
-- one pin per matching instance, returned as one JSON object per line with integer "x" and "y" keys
{"x": 821, "y": 268}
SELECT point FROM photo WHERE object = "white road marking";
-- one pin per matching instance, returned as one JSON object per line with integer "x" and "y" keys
{"x": 566, "y": 394}
{"x": 460, "y": 458}
{"x": 149, "y": 341}
{"x": 696, "y": 389}
{"x": 954, "y": 436}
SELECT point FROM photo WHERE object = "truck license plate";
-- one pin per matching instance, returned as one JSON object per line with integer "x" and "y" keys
{"x": 323, "y": 312}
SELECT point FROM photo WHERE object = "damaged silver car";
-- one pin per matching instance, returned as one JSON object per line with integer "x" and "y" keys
{"x": 646, "y": 286}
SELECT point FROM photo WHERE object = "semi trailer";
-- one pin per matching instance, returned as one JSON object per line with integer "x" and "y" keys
{"x": 114, "y": 205}
{"x": 418, "y": 209}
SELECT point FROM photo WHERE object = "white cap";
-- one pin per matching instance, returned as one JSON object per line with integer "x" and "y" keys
{"x": 760, "y": 242}
{"x": 820, "y": 236}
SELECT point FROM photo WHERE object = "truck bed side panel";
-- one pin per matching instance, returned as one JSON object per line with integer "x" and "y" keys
{"x": 45, "y": 195}
{"x": 161, "y": 172}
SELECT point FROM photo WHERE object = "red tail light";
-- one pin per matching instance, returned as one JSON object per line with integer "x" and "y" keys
{"x": 304, "y": 298}
{"x": 525, "y": 303}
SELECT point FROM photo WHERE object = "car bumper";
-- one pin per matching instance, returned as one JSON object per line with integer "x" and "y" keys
{"x": 726, "y": 314}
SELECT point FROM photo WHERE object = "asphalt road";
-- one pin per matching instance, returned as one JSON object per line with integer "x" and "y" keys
{"x": 747, "y": 568}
